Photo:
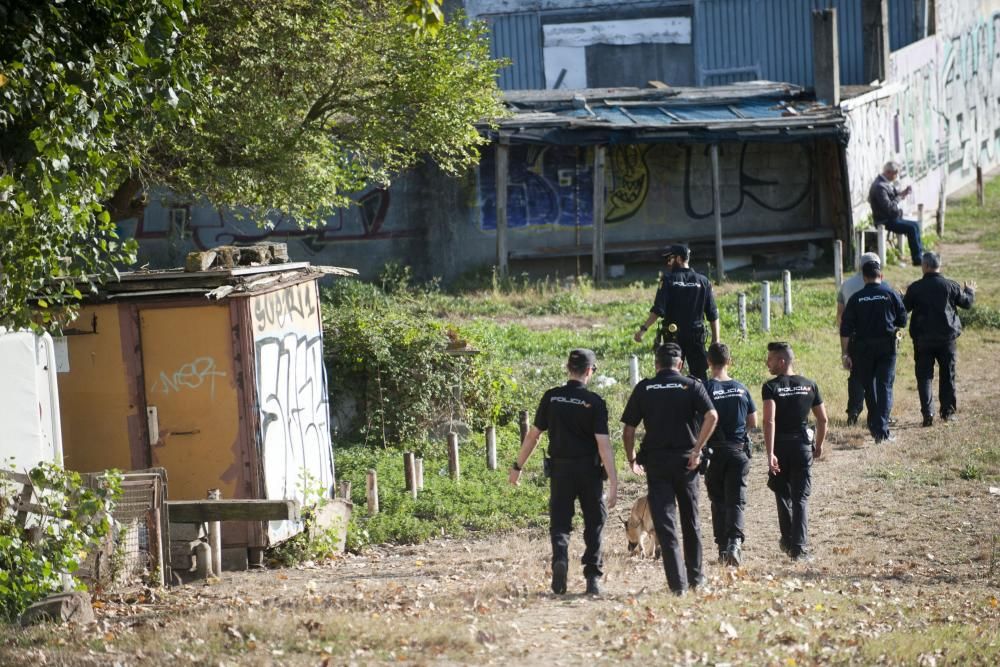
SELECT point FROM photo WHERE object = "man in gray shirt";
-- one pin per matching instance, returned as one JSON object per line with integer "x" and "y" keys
{"x": 886, "y": 210}
{"x": 855, "y": 389}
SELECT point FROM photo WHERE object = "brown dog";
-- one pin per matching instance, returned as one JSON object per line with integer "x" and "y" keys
{"x": 639, "y": 530}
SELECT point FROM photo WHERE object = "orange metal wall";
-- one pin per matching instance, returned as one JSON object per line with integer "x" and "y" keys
{"x": 94, "y": 399}
{"x": 189, "y": 378}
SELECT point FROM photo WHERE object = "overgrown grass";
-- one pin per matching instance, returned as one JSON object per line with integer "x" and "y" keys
{"x": 532, "y": 324}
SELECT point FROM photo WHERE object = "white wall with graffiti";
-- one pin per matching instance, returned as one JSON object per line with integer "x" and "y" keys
{"x": 296, "y": 450}
{"x": 938, "y": 114}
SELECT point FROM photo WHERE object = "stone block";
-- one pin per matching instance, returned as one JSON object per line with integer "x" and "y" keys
{"x": 72, "y": 607}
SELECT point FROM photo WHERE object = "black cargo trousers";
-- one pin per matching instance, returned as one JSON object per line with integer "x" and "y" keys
{"x": 669, "y": 481}
{"x": 726, "y": 483}
{"x": 791, "y": 488}
{"x": 571, "y": 480}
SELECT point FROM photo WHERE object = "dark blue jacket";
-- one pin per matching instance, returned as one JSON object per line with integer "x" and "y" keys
{"x": 873, "y": 313}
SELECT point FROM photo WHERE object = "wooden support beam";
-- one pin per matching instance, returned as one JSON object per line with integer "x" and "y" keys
{"x": 502, "y": 155}
{"x": 720, "y": 274}
{"x": 599, "y": 194}
{"x": 202, "y": 511}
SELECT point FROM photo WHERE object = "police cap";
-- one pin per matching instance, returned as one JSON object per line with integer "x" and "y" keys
{"x": 677, "y": 250}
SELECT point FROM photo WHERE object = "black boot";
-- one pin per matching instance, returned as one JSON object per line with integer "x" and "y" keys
{"x": 559, "y": 569}
{"x": 734, "y": 552}
{"x": 593, "y": 585}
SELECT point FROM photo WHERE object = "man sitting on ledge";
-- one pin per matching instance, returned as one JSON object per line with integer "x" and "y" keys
{"x": 886, "y": 211}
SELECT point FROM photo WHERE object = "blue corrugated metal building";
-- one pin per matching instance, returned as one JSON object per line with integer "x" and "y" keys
{"x": 729, "y": 40}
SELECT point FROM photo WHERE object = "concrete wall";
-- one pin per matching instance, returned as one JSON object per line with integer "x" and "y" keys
{"x": 939, "y": 114}
{"x": 442, "y": 226}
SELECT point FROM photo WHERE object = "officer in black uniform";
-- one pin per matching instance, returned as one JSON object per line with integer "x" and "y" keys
{"x": 935, "y": 328}
{"x": 684, "y": 299}
{"x": 791, "y": 445}
{"x": 580, "y": 458}
{"x": 726, "y": 478}
{"x": 868, "y": 341}
{"x": 670, "y": 406}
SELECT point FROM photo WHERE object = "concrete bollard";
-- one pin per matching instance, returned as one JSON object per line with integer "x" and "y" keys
{"x": 453, "y": 463}
{"x": 215, "y": 537}
{"x": 765, "y": 306}
{"x": 741, "y": 308}
{"x": 491, "y": 447}
{"x": 838, "y": 262}
{"x": 881, "y": 244}
{"x": 418, "y": 472}
{"x": 372, "y": 492}
{"x": 633, "y": 370}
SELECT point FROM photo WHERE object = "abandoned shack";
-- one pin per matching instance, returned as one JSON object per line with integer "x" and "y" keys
{"x": 216, "y": 375}
{"x": 734, "y": 171}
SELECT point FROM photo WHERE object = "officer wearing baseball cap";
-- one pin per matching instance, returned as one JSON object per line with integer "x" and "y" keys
{"x": 679, "y": 418}
{"x": 684, "y": 300}
{"x": 868, "y": 341}
{"x": 579, "y": 459}
{"x": 855, "y": 390}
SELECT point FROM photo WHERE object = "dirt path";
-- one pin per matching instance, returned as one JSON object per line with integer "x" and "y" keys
{"x": 906, "y": 571}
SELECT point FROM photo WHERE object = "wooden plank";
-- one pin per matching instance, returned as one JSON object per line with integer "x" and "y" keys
{"x": 201, "y": 511}
{"x": 501, "y": 199}
{"x": 16, "y": 477}
{"x": 597, "y": 253}
{"x": 720, "y": 271}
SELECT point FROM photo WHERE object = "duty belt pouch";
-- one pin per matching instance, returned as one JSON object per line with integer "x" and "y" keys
{"x": 706, "y": 460}
{"x": 747, "y": 446}
{"x": 597, "y": 462}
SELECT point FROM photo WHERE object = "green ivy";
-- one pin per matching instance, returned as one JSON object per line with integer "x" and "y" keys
{"x": 33, "y": 560}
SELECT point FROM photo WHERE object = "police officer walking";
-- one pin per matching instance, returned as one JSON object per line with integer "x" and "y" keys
{"x": 683, "y": 299}
{"x": 868, "y": 342}
{"x": 935, "y": 328}
{"x": 791, "y": 445}
{"x": 855, "y": 390}
{"x": 726, "y": 478}
{"x": 670, "y": 406}
{"x": 580, "y": 459}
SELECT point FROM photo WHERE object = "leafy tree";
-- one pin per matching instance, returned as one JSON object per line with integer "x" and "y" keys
{"x": 280, "y": 106}
{"x": 72, "y": 75}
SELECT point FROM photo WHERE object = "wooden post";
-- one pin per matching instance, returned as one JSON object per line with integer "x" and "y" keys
{"x": 453, "y": 465}
{"x": 980, "y": 188}
{"x": 633, "y": 370}
{"x": 741, "y": 307}
{"x": 720, "y": 274}
{"x": 786, "y": 288}
{"x": 765, "y": 306}
{"x": 410, "y": 473}
{"x": 418, "y": 472}
{"x": 881, "y": 244}
{"x": 491, "y": 447}
{"x": 524, "y": 424}
{"x": 838, "y": 262}
{"x": 372, "y": 492}
{"x": 215, "y": 537}
{"x": 598, "y": 240}
{"x": 942, "y": 204}
{"x": 859, "y": 248}
{"x": 503, "y": 149}
{"x": 345, "y": 489}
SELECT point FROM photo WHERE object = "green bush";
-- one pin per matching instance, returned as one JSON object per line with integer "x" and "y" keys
{"x": 388, "y": 355}
{"x": 33, "y": 561}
